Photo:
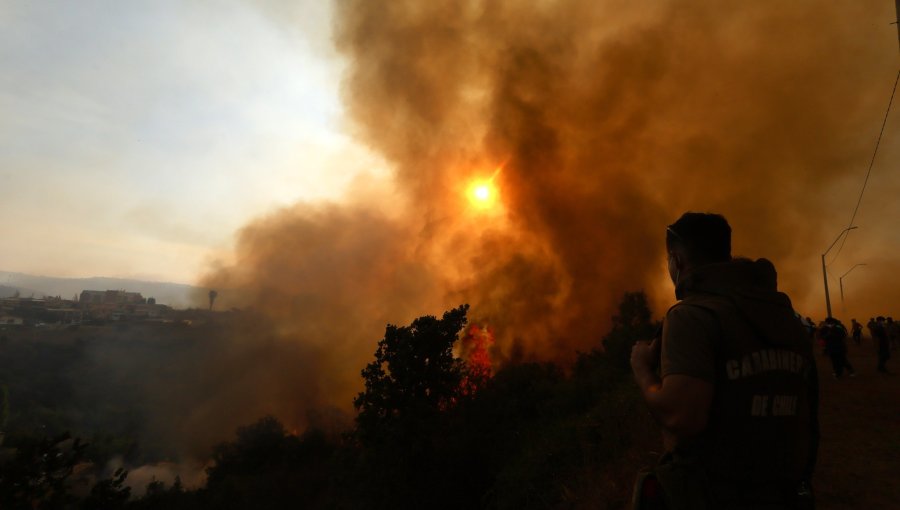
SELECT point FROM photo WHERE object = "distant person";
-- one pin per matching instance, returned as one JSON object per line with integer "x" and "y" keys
{"x": 820, "y": 336}
{"x": 736, "y": 394}
{"x": 856, "y": 330}
{"x": 834, "y": 334}
{"x": 810, "y": 326}
{"x": 882, "y": 345}
{"x": 893, "y": 332}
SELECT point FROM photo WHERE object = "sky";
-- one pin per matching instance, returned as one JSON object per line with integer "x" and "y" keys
{"x": 137, "y": 138}
{"x": 160, "y": 140}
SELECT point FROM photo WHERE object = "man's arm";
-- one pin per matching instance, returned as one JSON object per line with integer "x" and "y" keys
{"x": 679, "y": 402}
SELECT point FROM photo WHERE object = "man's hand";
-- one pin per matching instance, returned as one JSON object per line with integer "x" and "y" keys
{"x": 644, "y": 356}
{"x": 680, "y": 402}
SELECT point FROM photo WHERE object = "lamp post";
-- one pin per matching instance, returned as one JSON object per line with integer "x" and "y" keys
{"x": 825, "y": 274}
{"x": 841, "y": 280}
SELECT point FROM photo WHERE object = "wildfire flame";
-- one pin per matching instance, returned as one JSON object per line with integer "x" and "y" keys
{"x": 475, "y": 350}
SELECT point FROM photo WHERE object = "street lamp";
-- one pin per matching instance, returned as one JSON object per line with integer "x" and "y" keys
{"x": 841, "y": 280}
{"x": 825, "y": 274}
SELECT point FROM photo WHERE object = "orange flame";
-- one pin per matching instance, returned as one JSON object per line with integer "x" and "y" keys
{"x": 475, "y": 350}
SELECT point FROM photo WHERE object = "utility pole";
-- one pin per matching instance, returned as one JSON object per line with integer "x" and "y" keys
{"x": 897, "y": 4}
{"x": 841, "y": 280}
{"x": 824, "y": 271}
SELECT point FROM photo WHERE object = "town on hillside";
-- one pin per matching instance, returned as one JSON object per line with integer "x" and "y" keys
{"x": 89, "y": 307}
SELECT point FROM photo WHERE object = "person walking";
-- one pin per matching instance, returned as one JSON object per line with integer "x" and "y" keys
{"x": 882, "y": 345}
{"x": 834, "y": 334}
{"x": 856, "y": 330}
{"x": 893, "y": 333}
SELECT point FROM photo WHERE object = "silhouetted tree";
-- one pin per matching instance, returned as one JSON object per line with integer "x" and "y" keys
{"x": 266, "y": 467}
{"x": 213, "y": 294}
{"x": 414, "y": 376}
{"x": 632, "y": 323}
{"x": 109, "y": 494}
{"x": 158, "y": 497}
{"x": 410, "y": 389}
{"x": 259, "y": 448}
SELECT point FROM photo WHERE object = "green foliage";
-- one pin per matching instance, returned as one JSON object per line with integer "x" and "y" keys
{"x": 55, "y": 385}
{"x": 633, "y": 322}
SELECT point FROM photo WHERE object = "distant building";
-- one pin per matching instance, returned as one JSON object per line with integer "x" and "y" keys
{"x": 119, "y": 305}
{"x": 31, "y": 311}
{"x": 110, "y": 297}
{"x": 89, "y": 306}
{"x": 11, "y": 321}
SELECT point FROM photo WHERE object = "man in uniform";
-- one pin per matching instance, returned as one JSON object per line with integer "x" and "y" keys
{"x": 736, "y": 393}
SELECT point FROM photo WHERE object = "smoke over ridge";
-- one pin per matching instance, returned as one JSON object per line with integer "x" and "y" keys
{"x": 606, "y": 120}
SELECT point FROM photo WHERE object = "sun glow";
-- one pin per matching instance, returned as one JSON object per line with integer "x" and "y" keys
{"x": 483, "y": 193}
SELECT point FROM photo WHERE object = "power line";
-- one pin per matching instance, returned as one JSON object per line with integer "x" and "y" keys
{"x": 869, "y": 171}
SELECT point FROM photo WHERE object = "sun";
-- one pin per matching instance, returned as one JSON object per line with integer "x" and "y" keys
{"x": 482, "y": 194}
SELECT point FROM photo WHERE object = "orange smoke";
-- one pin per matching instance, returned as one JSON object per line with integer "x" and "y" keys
{"x": 612, "y": 118}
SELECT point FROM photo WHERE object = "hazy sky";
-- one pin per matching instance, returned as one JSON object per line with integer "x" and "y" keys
{"x": 137, "y": 137}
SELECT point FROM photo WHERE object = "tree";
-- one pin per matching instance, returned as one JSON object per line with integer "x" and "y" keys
{"x": 259, "y": 448}
{"x": 414, "y": 376}
{"x": 633, "y": 322}
{"x": 213, "y": 294}
{"x": 109, "y": 494}
{"x": 265, "y": 467}
{"x": 411, "y": 389}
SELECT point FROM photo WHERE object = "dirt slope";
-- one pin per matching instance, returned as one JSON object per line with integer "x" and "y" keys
{"x": 859, "y": 456}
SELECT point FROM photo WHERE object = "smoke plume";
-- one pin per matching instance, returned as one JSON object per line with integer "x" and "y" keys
{"x": 600, "y": 122}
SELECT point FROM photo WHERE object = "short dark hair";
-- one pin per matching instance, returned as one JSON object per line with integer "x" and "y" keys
{"x": 705, "y": 237}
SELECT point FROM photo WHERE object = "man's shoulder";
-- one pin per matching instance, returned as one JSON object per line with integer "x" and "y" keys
{"x": 690, "y": 314}
{"x": 701, "y": 305}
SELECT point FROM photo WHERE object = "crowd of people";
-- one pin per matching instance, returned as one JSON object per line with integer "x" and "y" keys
{"x": 832, "y": 335}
